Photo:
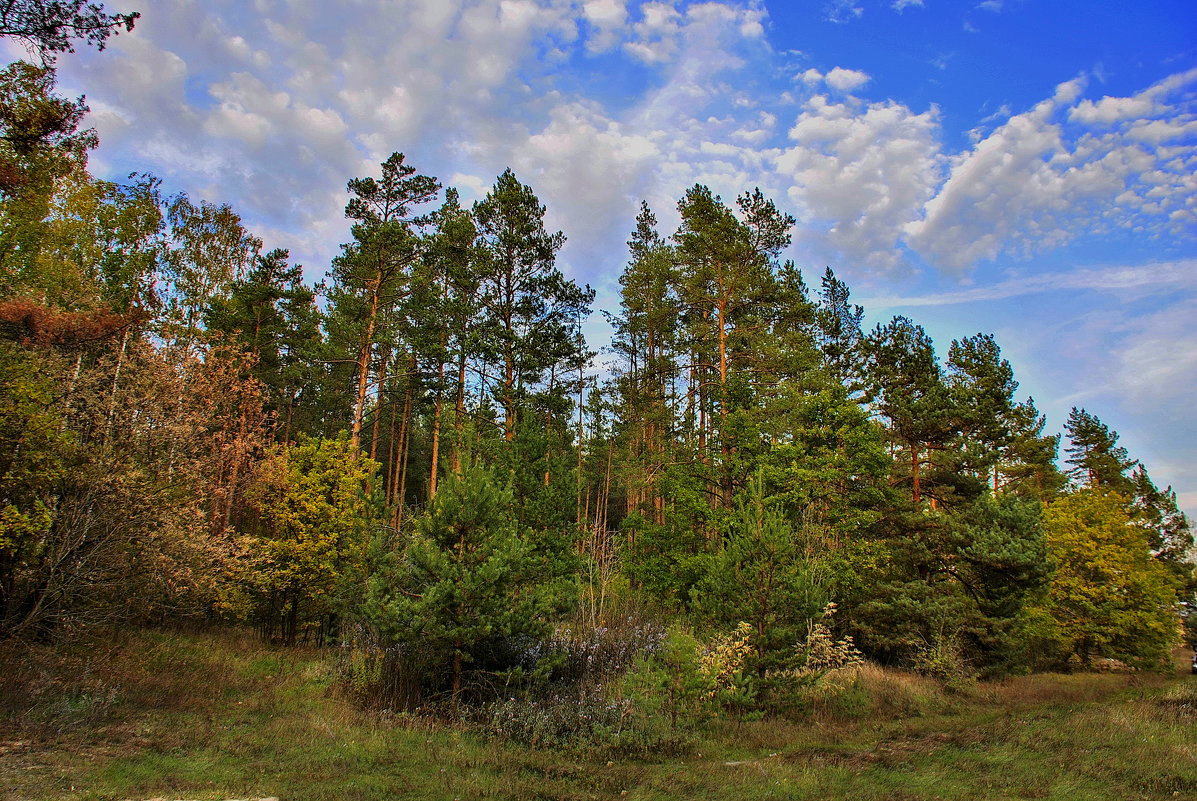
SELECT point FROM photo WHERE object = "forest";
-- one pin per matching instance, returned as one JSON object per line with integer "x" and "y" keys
{"x": 419, "y": 464}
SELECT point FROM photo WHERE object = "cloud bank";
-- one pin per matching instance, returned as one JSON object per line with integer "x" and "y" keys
{"x": 273, "y": 105}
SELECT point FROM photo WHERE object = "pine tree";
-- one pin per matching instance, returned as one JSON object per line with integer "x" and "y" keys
{"x": 1097, "y": 460}
{"x": 371, "y": 276}
{"x": 906, "y": 386}
{"x": 467, "y": 580}
{"x": 839, "y": 331}
{"x": 983, "y": 386}
{"x": 726, "y": 282}
{"x": 532, "y": 310}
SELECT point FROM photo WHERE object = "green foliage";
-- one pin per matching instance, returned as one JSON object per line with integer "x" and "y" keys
{"x": 1096, "y": 457}
{"x": 34, "y": 453}
{"x": 312, "y": 517}
{"x": 50, "y": 27}
{"x": 672, "y": 684}
{"x": 962, "y": 579}
{"x": 1108, "y": 597}
{"x": 468, "y": 587}
{"x": 762, "y": 576}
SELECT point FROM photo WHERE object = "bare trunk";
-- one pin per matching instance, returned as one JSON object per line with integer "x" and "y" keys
{"x": 914, "y": 472}
{"x": 548, "y": 425}
{"x": 363, "y": 365}
{"x": 382, "y": 382}
{"x": 459, "y": 412}
{"x": 436, "y": 431}
{"x": 581, "y": 393}
{"x": 391, "y": 472}
{"x": 724, "y": 439}
{"x": 404, "y": 441}
{"x": 116, "y": 377}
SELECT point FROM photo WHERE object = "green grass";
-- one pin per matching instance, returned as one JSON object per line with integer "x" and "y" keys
{"x": 221, "y": 716}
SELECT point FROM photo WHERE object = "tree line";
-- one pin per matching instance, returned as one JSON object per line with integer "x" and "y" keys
{"x": 415, "y": 456}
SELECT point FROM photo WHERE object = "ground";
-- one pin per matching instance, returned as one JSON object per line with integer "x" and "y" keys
{"x": 220, "y": 715}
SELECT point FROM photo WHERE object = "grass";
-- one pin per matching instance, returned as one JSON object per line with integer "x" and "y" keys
{"x": 214, "y": 716}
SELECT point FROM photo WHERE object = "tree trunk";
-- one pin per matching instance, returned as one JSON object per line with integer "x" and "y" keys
{"x": 724, "y": 439}
{"x": 116, "y": 377}
{"x": 459, "y": 412}
{"x": 382, "y": 382}
{"x": 914, "y": 473}
{"x": 363, "y": 364}
{"x": 436, "y": 431}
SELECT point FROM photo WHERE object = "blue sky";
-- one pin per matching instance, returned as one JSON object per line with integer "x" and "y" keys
{"x": 1007, "y": 166}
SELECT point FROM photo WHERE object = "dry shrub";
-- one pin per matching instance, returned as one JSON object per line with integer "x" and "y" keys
{"x": 886, "y": 693}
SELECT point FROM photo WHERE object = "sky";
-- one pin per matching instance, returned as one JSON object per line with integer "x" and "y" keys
{"x": 1020, "y": 168}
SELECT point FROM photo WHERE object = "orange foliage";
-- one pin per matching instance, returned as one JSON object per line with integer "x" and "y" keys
{"x": 30, "y": 323}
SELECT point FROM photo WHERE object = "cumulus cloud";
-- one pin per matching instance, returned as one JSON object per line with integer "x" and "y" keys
{"x": 1036, "y": 182}
{"x": 606, "y": 18}
{"x": 839, "y": 79}
{"x": 273, "y": 106}
{"x": 846, "y": 80}
{"x": 860, "y": 172}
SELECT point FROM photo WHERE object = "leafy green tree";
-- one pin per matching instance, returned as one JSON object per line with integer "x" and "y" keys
{"x": 1108, "y": 597}
{"x": 208, "y": 250}
{"x": 40, "y": 144}
{"x": 310, "y": 533}
{"x": 33, "y": 456}
{"x": 468, "y": 580}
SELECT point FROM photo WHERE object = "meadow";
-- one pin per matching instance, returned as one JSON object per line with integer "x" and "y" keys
{"x": 220, "y": 715}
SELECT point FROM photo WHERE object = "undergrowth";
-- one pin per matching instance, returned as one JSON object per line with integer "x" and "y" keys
{"x": 219, "y": 715}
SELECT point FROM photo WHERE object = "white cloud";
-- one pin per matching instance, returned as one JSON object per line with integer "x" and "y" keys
{"x": 844, "y": 80}
{"x": 1126, "y": 280}
{"x": 842, "y": 11}
{"x": 860, "y": 173}
{"x": 275, "y": 110}
{"x": 1033, "y": 185}
{"x": 606, "y": 18}
{"x": 901, "y": 5}
{"x": 1157, "y": 361}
